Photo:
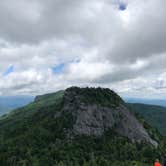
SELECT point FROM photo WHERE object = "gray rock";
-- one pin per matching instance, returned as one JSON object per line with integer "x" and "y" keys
{"x": 93, "y": 119}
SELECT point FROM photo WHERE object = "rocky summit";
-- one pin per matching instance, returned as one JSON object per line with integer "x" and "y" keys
{"x": 96, "y": 110}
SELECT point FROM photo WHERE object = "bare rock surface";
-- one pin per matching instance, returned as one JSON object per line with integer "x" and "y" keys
{"x": 95, "y": 119}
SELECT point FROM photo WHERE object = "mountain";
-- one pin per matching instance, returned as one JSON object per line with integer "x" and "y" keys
{"x": 159, "y": 102}
{"x": 78, "y": 126}
{"x": 155, "y": 115}
{"x": 8, "y": 103}
{"x": 98, "y": 110}
{"x": 4, "y": 109}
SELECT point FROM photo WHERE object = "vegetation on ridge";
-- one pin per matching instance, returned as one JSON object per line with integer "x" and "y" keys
{"x": 35, "y": 135}
{"x": 99, "y": 96}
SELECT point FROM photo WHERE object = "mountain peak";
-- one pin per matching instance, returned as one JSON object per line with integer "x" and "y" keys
{"x": 97, "y": 110}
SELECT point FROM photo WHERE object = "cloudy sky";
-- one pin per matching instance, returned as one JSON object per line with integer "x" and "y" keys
{"x": 50, "y": 45}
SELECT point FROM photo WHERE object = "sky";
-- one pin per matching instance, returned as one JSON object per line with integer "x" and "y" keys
{"x": 50, "y": 45}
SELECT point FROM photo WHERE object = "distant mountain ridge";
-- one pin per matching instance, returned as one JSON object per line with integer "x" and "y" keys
{"x": 159, "y": 102}
{"x": 8, "y": 103}
{"x": 4, "y": 109}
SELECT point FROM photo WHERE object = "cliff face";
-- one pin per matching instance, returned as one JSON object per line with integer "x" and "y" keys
{"x": 94, "y": 118}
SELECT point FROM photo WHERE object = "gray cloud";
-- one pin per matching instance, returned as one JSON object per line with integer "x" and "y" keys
{"x": 98, "y": 43}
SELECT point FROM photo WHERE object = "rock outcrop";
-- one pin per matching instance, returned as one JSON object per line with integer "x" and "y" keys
{"x": 94, "y": 118}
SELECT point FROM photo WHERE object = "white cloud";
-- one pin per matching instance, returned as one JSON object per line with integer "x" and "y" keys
{"x": 98, "y": 44}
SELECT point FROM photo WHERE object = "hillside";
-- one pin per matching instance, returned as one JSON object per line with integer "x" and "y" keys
{"x": 155, "y": 115}
{"x": 78, "y": 126}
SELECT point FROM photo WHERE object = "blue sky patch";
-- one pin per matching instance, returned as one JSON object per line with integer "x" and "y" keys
{"x": 122, "y": 6}
{"x": 58, "y": 69}
{"x": 9, "y": 70}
